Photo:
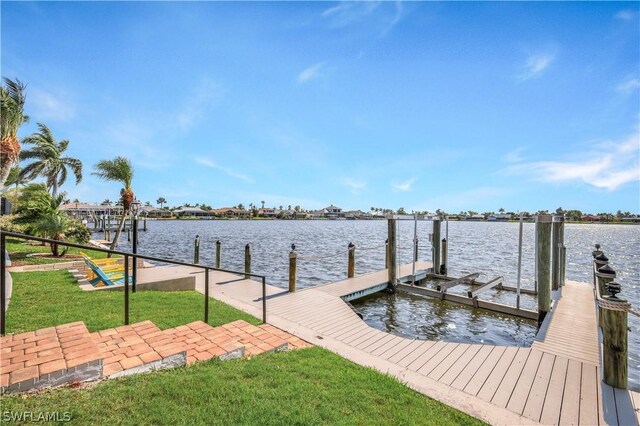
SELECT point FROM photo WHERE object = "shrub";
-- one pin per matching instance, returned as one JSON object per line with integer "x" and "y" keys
{"x": 78, "y": 232}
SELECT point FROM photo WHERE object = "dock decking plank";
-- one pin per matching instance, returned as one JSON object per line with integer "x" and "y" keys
{"x": 458, "y": 367}
{"x": 525, "y": 382}
{"x": 488, "y": 377}
{"x": 570, "y": 412}
{"x": 451, "y": 360}
{"x": 472, "y": 367}
{"x": 535, "y": 400}
{"x": 553, "y": 399}
{"x": 510, "y": 379}
{"x": 589, "y": 395}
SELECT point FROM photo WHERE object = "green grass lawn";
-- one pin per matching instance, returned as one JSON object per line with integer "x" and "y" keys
{"x": 47, "y": 298}
{"x": 18, "y": 252}
{"x": 308, "y": 386}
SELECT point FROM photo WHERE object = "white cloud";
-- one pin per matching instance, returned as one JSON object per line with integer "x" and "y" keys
{"x": 47, "y": 106}
{"x": 310, "y": 73}
{"x": 614, "y": 164}
{"x": 379, "y": 16}
{"x": 403, "y": 186}
{"x": 354, "y": 185}
{"x": 194, "y": 108}
{"x": 625, "y": 15}
{"x": 535, "y": 65}
{"x": 514, "y": 156}
{"x": 348, "y": 12}
{"x": 629, "y": 86}
{"x": 229, "y": 172}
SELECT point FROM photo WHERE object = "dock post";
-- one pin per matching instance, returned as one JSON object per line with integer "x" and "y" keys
{"x": 615, "y": 338}
{"x": 543, "y": 264}
{"x": 436, "y": 245}
{"x": 247, "y": 261}
{"x": 218, "y": 254}
{"x": 351, "y": 265}
{"x": 558, "y": 242}
{"x": 386, "y": 254}
{"x": 129, "y": 234}
{"x": 392, "y": 272}
{"x": 443, "y": 266}
{"x": 145, "y": 224}
{"x": 293, "y": 269}
{"x": 604, "y": 275}
{"x": 196, "y": 250}
{"x": 415, "y": 249}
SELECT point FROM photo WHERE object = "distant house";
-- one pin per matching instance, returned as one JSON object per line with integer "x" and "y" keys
{"x": 475, "y": 217}
{"x": 267, "y": 212}
{"x": 185, "y": 212}
{"x": 151, "y": 212}
{"x": 230, "y": 212}
{"x": 90, "y": 210}
{"x": 503, "y": 217}
{"x": 356, "y": 214}
{"x": 332, "y": 211}
{"x": 316, "y": 214}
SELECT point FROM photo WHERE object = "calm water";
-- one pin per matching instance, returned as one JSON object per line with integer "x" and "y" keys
{"x": 489, "y": 248}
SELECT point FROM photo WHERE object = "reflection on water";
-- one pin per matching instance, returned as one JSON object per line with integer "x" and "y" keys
{"x": 486, "y": 247}
{"x": 423, "y": 317}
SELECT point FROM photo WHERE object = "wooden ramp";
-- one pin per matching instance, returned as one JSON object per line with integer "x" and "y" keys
{"x": 556, "y": 381}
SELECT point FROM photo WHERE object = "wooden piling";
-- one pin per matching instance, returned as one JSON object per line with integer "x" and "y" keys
{"x": 293, "y": 269}
{"x": 558, "y": 243}
{"x": 543, "y": 264}
{"x": 391, "y": 254}
{"x": 386, "y": 254}
{"x": 615, "y": 341}
{"x": 415, "y": 250}
{"x": 129, "y": 234}
{"x": 145, "y": 224}
{"x": 436, "y": 245}
{"x": 218, "y": 254}
{"x": 351, "y": 264}
{"x": 196, "y": 250}
{"x": 604, "y": 275}
{"x": 247, "y": 261}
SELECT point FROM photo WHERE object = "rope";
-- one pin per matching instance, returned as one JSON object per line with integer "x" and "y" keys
{"x": 617, "y": 306}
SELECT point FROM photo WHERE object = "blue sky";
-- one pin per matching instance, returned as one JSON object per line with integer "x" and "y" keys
{"x": 458, "y": 106}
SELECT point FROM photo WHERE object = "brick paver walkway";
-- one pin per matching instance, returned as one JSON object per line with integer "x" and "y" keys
{"x": 68, "y": 353}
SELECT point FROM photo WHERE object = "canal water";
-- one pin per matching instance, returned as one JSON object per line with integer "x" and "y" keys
{"x": 490, "y": 248}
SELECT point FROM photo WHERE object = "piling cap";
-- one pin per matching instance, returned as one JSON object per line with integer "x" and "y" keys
{"x": 614, "y": 288}
{"x": 606, "y": 270}
{"x": 601, "y": 258}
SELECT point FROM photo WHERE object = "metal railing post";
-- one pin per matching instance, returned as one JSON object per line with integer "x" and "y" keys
{"x": 134, "y": 248}
{"x": 206, "y": 295}
{"x": 3, "y": 284}
{"x": 126, "y": 290}
{"x": 264, "y": 300}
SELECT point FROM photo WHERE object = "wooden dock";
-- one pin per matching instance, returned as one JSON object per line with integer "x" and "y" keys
{"x": 555, "y": 381}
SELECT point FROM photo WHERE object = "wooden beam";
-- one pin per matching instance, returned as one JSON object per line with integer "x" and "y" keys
{"x": 463, "y": 280}
{"x": 491, "y": 284}
{"x": 480, "y": 283}
{"x": 456, "y": 298}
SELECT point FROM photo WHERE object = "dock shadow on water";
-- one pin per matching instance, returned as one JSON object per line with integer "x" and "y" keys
{"x": 422, "y": 317}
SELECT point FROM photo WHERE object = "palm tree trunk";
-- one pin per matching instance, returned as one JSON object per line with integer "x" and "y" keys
{"x": 54, "y": 189}
{"x": 114, "y": 244}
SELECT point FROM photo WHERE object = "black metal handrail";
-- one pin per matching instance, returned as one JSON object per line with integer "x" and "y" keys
{"x": 126, "y": 255}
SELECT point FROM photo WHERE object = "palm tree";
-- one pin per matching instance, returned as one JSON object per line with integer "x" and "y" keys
{"x": 14, "y": 178}
{"x": 262, "y": 204}
{"x": 53, "y": 225}
{"x": 49, "y": 160}
{"x": 161, "y": 201}
{"x": 118, "y": 170}
{"x": 107, "y": 202}
{"x": 12, "y": 116}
